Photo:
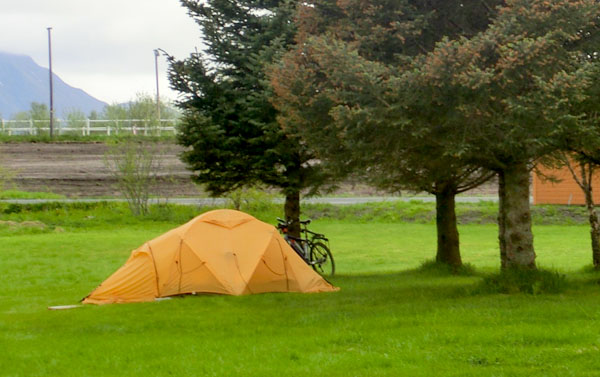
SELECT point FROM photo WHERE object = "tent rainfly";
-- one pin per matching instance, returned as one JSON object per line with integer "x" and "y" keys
{"x": 222, "y": 251}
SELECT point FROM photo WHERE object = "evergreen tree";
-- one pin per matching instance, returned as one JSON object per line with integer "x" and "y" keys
{"x": 499, "y": 99}
{"x": 229, "y": 126}
{"x": 515, "y": 93}
{"x": 338, "y": 89}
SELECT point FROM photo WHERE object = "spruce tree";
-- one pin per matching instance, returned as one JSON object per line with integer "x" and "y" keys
{"x": 230, "y": 127}
{"x": 515, "y": 93}
{"x": 337, "y": 88}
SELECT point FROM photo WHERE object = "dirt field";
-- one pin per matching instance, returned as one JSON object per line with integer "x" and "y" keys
{"x": 77, "y": 170}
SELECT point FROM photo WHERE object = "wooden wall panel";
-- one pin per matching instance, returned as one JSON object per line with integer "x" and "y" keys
{"x": 566, "y": 191}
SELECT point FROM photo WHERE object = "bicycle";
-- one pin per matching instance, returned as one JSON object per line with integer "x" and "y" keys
{"x": 312, "y": 247}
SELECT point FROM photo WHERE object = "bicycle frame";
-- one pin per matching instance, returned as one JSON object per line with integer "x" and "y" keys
{"x": 303, "y": 244}
{"x": 312, "y": 247}
{"x": 300, "y": 246}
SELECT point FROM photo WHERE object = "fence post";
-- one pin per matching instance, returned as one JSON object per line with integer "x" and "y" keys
{"x": 30, "y": 126}
{"x": 108, "y": 129}
{"x": 87, "y": 126}
{"x": 146, "y": 128}
{"x": 117, "y": 127}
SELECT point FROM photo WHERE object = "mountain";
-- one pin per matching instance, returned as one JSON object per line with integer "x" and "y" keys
{"x": 22, "y": 81}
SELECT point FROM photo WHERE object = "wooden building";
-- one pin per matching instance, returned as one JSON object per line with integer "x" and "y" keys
{"x": 565, "y": 191}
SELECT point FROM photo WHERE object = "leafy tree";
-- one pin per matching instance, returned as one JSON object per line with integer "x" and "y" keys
{"x": 229, "y": 125}
{"x": 21, "y": 116}
{"x": 142, "y": 110}
{"x": 39, "y": 111}
{"x": 116, "y": 113}
{"x": 143, "y": 107}
{"x": 38, "y": 114}
{"x": 94, "y": 115}
{"x": 75, "y": 119}
{"x": 338, "y": 89}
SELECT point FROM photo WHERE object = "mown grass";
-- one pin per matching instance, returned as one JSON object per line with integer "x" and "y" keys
{"x": 392, "y": 317}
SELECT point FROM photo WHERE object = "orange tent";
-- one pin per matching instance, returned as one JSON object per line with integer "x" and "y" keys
{"x": 222, "y": 251}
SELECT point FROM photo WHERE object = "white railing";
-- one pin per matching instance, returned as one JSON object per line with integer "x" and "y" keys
{"x": 87, "y": 127}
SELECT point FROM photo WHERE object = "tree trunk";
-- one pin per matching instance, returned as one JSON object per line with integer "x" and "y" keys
{"x": 594, "y": 226}
{"x": 292, "y": 212}
{"x": 448, "y": 250}
{"x": 516, "y": 217}
{"x": 501, "y": 219}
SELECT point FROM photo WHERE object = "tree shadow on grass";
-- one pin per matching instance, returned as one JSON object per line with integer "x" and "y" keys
{"x": 409, "y": 284}
{"x": 435, "y": 281}
{"x": 586, "y": 278}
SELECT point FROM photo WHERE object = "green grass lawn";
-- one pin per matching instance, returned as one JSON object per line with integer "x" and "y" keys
{"x": 389, "y": 319}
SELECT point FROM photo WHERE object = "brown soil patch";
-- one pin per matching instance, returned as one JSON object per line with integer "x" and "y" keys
{"x": 77, "y": 169}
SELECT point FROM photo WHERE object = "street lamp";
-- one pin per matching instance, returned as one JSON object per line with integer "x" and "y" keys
{"x": 156, "y": 54}
{"x": 51, "y": 89}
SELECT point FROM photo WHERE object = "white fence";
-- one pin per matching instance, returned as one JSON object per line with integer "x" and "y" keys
{"x": 87, "y": 127}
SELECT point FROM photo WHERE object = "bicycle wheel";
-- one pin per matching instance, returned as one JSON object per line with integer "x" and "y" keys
{"x": 321, "y": 259}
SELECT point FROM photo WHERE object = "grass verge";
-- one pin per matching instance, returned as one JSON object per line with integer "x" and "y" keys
{"x": 16, "y": 194}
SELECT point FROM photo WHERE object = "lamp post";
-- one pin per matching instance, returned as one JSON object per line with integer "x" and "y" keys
{"x": 156, "y": 54}
{"x": 51, "y": 89}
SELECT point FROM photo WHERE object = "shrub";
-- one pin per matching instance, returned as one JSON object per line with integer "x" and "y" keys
{"x": 135, "y": 167}
{"x": 6, "y": 177}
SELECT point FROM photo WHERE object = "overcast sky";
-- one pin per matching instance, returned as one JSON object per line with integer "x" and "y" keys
{"x": 104, "y": 47}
